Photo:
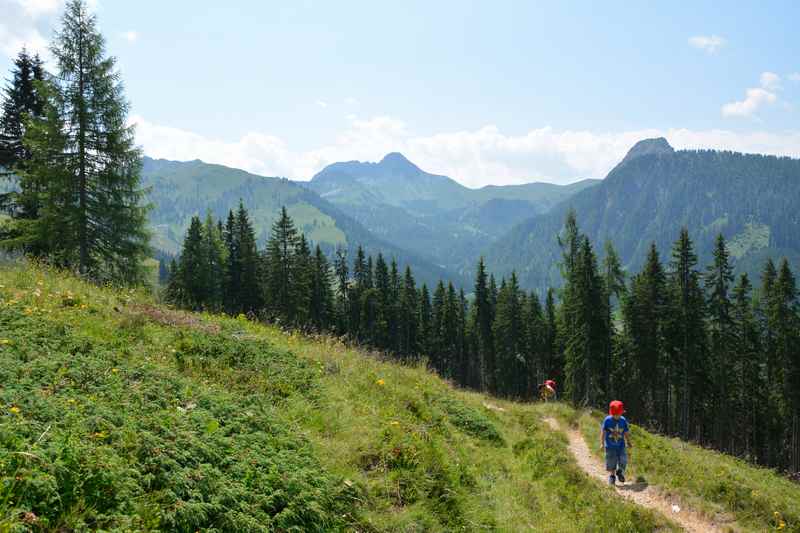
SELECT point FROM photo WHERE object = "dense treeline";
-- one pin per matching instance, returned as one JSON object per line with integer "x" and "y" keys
{"x": 76, "y": 198}
{"x": 693, "y": 353}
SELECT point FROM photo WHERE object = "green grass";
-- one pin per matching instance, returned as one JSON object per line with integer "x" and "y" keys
{"x": 719, "y": 485}
{"x": 117, "y": 414}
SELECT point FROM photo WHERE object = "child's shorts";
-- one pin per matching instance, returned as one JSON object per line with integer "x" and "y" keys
{"x": 616, "y": 458}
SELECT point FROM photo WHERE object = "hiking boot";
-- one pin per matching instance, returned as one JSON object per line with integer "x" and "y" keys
{"x": 612, "y": 480}
{"x": 620, "y": 476}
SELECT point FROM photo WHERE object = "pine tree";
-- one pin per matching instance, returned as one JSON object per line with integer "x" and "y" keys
{"x": 535, "y": 329}
{"x": 686, "y": 342}
{"x": 321, "y": 302}
{"x": 188, "y": 286}
{"x": 408, "y": 319}
{"x": 508, "y": 334}
{"x": 380, "y": 333}
{"x": 454, "y": 366}
{"x": 552, "y": 363}
{"x": 278, "y": 269}
{"x": 748, "y": 367}
{"x": 614, "y": 290}
{"x": 301, "y": 283}
{"x": 584, "y": 312}
{"x": 342, "y": 273}
{"x": 438, "y": 355}
{"x": 233, "y": 268}
{"x": 483, "y": 318}
{"x": 100, "y": 156}
{"x": 215, "y": 264}
{"x": 425, "y": 322}
{"x": 719, "y": 279}
{"x": 23, "y": 102}
{"x": 250, "y": 293}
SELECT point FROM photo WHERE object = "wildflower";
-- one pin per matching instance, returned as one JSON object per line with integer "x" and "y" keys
{"x": 71, "y": 400}
{"x": 84, "y": 306}
{"x": 380, "y": 382}
{"x": 5, "y": 342}
{"x": 394, "y": 423}
{"x": 114, "y": 370}
{"x": 14, "y": 409}
{"x": 40, "y": 283}
{"x": 781, "y": 524}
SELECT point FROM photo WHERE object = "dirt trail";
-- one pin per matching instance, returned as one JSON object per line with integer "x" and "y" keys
{"x": 639, "y": 493}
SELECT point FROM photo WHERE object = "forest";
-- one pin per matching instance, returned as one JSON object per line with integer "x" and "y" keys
{"x": 691, "y": 351}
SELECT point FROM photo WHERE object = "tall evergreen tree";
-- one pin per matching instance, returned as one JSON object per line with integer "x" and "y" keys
{"x": 23, "y": 102}
{"x": 686, "y": 340}
{"x": 483, "y": 318}
{"x": 614, "y": 290}
{"x": 342, "y": 273}
{"x": 425, "y": 321}
{"x": 408, "y": 320}
{"x": 719, "y": 279}
{"x": 99, "y": 158}
{"x": 321, "y": 301}
{"x": 508, "y": 335}
{"x": 279, "y": 268}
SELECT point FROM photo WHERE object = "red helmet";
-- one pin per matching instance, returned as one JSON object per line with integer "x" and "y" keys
{"x": 616, "y": 408}
{"x": 550, "y": 383}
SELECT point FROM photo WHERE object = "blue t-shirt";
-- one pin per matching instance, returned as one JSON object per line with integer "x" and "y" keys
{"x": 614, "y": 431}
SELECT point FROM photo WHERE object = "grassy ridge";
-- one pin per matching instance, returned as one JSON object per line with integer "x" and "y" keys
{"x": 715, "y": 483}
{"x": 118, "y": 414}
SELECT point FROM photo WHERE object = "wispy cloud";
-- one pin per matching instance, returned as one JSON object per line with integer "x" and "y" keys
{"x": 473, "y": 157}
{"x": 708, "y": 43}
{"x": 322, "y": 103}
{"x": 755, "y": 97}
{"x": 350, "y": 101}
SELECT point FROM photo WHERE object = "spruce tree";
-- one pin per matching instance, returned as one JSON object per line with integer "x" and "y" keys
{"x": 342, "y": 272}
{"x": 425, "y": 322}
{"x": 408, "y": 319}
{"x": 686, "y": 342}
{"x": 23, "y": 102}
{"x": 301, "y": 283}
{"x": 438, "y": 354}
{"x": 279, "y": 269}
{"x": 482, "y": 327}
{"x": 250, "y": 288}
{"x": 508, "y": 334}
{"x": 321, "y": 301}
{"x": 614, "y": 290}
{"x": 719, "y": 278}
{"x": 100, "y": 157}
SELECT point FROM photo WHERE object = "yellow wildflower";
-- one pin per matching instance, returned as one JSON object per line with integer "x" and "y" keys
{"x": 394, "y": 423}
{"x": 84, "y": 306}
{"x": 14, "y": 409}
{"x": 71, "y": 400}
{"x": 5, "y": 342}
{"x": 781, "y": 524}
{"x": 380, "y": 382}
{"x": 114, "y": 370}
{"x": 40, "y": 283}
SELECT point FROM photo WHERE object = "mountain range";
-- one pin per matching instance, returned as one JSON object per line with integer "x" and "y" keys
{"x": 752, "y": 200}
{"x": 441, "y": 228}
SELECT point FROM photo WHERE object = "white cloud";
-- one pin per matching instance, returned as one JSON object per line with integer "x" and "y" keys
{"x": 708, "y": 43}
{"x": 755, "y": 98}
{"x": 24, "y": 23}
{"x": 350, "y": 101}
{"x": 770, "y": 81}
{"x": 131, "y": 36}
{"x": 322, "y": 103}
{"x": 794, "y": 76}
{"x": 36, "y": 8}
{"x": 473, "y": 157}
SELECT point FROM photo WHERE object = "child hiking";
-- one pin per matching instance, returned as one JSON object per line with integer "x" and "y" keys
{"x": 547, "y": 390}
{"x": 615, "y": 439}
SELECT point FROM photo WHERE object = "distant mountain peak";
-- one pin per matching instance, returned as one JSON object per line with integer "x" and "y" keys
{"x": 658, "y": 145}
{"x": 397, "y": 160}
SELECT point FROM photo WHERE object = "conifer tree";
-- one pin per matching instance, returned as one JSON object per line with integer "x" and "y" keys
{"x": 508, "y": 335}
{"x": 686, "y": 341}
{"x": 215, "y": 264}
{"x": 98, "y": 158}
{"x": 614, "y": 290}
{"x": 408, "y": 316}
{"x": 425, "y": 321}
{"x": 719, "y": 279}
{"x": 342, "y": 272}
{"x": 438, "y": 355}
{"x": 300, "y": 283}
{"x": 483, "y": 318}
{"x": 321, "y": 301}
{"x": 23, "y": 102}
{"x": 279, "y": 268}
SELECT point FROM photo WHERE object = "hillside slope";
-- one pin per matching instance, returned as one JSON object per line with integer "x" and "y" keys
{"x": 116, "y": 413}
{"x": 179, "y": 190}
{"x": 751, "y": 199}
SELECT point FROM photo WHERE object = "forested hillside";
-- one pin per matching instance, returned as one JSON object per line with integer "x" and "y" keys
{"x": 750, "y": 199}
{"x": 180, "y": 190}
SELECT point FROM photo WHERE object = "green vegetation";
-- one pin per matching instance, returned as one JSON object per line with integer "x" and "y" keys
{"x": 119, "y": 414}
{"x": 715, "y": 483}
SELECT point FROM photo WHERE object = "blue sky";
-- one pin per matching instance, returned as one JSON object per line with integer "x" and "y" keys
{"x": 486, "y": 92}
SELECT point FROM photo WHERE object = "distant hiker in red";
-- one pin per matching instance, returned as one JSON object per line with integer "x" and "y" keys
{"x": 547, "y": 390}
{"x": 614, "y": 436}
